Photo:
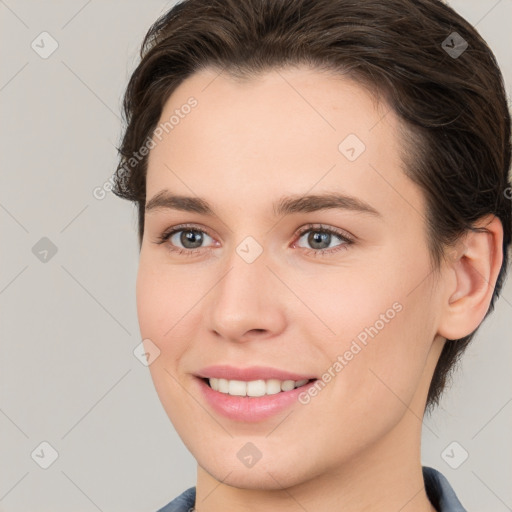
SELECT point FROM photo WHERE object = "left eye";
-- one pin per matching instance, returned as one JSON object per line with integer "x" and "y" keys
{"x": 321, "y": 238}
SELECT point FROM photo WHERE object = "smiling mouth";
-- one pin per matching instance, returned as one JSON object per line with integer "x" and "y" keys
{"x": 254, "y": 388}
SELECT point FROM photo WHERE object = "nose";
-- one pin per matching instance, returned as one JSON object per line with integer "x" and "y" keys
{"x": 247, "y": 303}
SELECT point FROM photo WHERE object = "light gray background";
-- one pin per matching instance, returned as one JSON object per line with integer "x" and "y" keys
{"x": 69, "y": 326}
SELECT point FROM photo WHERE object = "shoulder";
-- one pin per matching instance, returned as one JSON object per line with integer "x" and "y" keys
{"x": 182, "y": 503}
{"x": 440, "y": 492}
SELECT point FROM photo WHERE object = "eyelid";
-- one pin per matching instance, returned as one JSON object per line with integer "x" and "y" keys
{"x": 183, "y": 227}
{"x": 329, "y": 229}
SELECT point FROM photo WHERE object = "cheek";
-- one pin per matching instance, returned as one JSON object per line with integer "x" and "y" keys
{"x": 388, "y": 367}
{"x": 163, "y": 299}
{"x": 381, "y": 326}
{"x": 150, "y": 304}
{"x": 162, "y": 319}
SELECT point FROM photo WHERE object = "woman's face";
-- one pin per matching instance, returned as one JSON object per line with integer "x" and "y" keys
{"x": 251, "y": 284}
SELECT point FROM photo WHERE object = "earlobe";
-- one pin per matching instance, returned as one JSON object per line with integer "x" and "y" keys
{"x": 475, "y": 265}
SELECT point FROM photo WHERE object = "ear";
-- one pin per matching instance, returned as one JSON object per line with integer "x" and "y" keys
{"x": 473, "y": 268}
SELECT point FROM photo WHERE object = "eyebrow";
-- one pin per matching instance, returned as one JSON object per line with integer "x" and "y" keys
{"x": 284, "y": 206}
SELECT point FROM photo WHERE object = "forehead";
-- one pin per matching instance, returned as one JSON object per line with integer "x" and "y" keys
{"x": 296, "y": 130}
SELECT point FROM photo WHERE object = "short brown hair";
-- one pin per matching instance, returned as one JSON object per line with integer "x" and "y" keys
{"x": 451, "y": 100}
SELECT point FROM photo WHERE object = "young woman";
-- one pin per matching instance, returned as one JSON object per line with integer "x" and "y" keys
{"x": 324, "y": 219}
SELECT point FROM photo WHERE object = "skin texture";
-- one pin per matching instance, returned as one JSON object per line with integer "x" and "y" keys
{"x": 356, "y": 445}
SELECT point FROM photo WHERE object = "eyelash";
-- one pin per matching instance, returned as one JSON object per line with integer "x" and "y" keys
{"x": 345, "y": 238}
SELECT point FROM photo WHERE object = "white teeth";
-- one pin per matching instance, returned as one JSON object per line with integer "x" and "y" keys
{"x": 273, "y": 386}
{"x": 223, "y": 386}
{"x": 254, "y": 387}
{"x": 237, "y": 388}
{"x": 287, "y": 385}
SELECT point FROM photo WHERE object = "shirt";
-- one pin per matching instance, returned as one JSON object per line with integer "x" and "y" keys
{"x": 439, "y": 492}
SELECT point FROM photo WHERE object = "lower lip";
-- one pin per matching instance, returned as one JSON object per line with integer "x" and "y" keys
{"x": 248, "y": 408}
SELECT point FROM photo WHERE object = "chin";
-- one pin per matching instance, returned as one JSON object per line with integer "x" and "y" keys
{"x": 263, "y": 478}
{"x": 273, "y": 472}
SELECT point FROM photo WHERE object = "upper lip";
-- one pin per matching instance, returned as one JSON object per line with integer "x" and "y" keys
{"x": 250, "y": 373}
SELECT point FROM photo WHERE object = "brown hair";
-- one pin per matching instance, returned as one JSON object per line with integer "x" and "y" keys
{"x": 452, "y": 101}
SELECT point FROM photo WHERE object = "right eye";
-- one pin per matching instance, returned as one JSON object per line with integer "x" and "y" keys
{"x": 190, "y": 237}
